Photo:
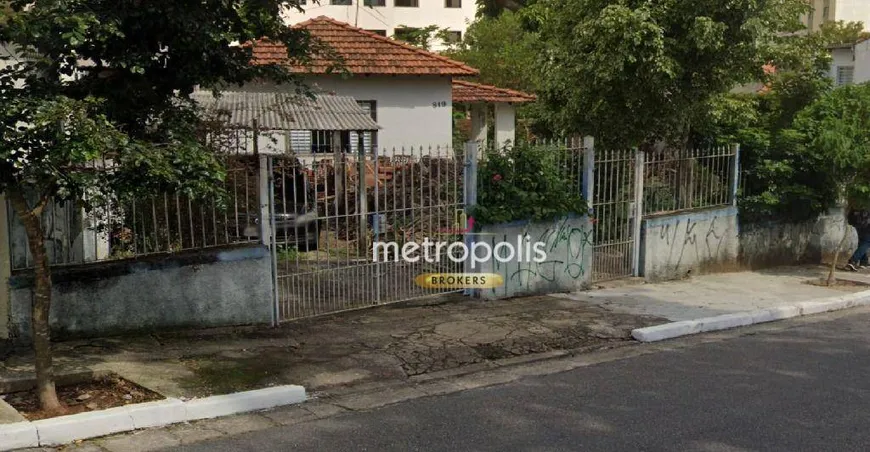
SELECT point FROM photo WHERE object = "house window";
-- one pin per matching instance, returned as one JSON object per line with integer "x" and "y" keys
{"x": 453, "y": 3}
{"x": 370, "y": 139}
{"x": 371, "y": 3}
{"x": 323, "y": 141}
{"x": 407, "y": 3}
{"x": 378, "y": 32}
{"x": 341, "y": 2}
{"x": 845, "y": 75}
{"x": 405, "y": 34}
{"x": 453, "y": 36}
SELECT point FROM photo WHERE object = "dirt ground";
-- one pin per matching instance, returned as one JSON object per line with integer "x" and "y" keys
{"x": 106, "y": 392}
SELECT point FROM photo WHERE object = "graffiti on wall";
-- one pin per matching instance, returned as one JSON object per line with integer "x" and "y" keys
{"x": 568, "y": 244}
{"x": 686, "y": 242}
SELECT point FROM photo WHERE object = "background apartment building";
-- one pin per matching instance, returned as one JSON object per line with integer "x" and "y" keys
{"x": 393, "y": 17}
{"x": 847, "y": 10}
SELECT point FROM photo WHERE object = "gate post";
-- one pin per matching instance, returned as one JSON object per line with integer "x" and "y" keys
{"x": 735, "y": 178}
{"x": 638, "y": 211}
{"x": 588, "y": 172}
{"x": 469, "y": 193}
{"x": 266, "y": 199}
{"x": 362, "y": 199}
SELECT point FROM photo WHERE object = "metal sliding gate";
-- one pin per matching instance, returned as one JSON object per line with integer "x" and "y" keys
{"x": 615, "y": 202}
{"x": 330, "y": 211}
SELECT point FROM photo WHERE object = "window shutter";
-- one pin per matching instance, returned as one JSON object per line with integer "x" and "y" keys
{"x": 845, "y": 75}
{"x": 300, "y": 141}
{"x": 368, "y": 106}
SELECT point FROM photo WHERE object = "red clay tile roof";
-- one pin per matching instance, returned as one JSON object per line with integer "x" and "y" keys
{"x": 362, "y": 52}
{"x": 467, "y": 92}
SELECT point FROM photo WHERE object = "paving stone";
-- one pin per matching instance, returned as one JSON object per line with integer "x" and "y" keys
{"x": 82, "y": 447}
{"x": 323, "y": 409}
{"x": 289, "y": 415}
{"x": 243, "y": 423}
{"x": 378, "y": 399}
{"x": 192, "y": 433}
{"x": 141, "y": 441}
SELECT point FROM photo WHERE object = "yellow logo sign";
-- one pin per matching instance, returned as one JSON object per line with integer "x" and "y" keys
{"x": 459, "y": 280}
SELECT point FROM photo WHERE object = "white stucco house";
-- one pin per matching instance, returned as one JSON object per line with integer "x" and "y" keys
{"x": 390, "y": 17}
{"x": 851, "y": 63}
{"x": 408, "y": 91}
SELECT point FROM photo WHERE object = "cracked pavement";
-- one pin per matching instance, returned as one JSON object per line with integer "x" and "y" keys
{"x": 393, "y": 342}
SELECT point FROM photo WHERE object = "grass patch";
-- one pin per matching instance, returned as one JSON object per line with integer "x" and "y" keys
{"x": 218, "y": 375}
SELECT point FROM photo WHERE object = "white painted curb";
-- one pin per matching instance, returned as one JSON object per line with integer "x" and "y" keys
{"x": 726, "y": 321}
{"x": 240, "y": 402}
{"x": 155, "y": 414}
{"x": 18, "y": 435}
{"x": 66, "y": 429}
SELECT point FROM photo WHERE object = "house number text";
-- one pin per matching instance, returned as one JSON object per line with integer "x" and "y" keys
{"x": 439, "y": 104}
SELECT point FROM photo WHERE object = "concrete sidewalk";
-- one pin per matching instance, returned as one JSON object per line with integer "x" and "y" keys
{"x": 422, "y": 340}
{"x": 726, "y": 293}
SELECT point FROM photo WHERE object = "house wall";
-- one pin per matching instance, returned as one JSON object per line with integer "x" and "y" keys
{"x": 568, "y": 244}
{"x": 841, "y": 57}
{"x": 220, "y": 287}
{"x": 429, "y": 12}
{"x": 412, "y": 110}
{"x": 862, "y": 62}
{"x": 505, "y": 124}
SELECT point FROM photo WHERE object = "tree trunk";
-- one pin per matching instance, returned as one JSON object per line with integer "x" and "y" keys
{"x": 32, "y": 221}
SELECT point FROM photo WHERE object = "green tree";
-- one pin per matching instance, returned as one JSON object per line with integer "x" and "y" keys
{"x": 493, "y": 8}
{"x": 88, "y": 81}
{"x": 421, "y": 37}
{"x": 633, "y": 71}
{"x": 834, "y": 133}
{"x": 842, "y": 32}
{"x": 502, "y": 49}
{"x": 778, "y": 183}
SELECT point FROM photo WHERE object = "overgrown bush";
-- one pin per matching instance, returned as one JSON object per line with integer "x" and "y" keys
{"x": 527, "y": 182}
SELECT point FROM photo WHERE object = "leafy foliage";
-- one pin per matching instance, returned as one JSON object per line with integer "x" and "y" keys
{"x": 124, "y": 67}
{"x": 834, "y": 133}
{"x": 777, "y": 182}
{"x": 633, "y": 71}
{"x": 502, "y": 49}
{"x": 421, "y": 37}
{"x": 506, "y": 50}
{"x": 525, "y": 182}
{"x": 494, "y": 8}
{"x": 94, "y": 100}
{"x": 842, "y": 32}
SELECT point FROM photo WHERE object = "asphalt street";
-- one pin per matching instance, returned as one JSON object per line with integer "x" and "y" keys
{"x": 805, "y": 388}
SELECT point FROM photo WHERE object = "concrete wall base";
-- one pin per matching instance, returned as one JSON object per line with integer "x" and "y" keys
{"x": 567, "y": 266}
{"x": 230, "y": 286}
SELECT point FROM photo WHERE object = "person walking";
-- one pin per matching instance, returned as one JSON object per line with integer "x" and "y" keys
{"x": 859, "y": 218}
